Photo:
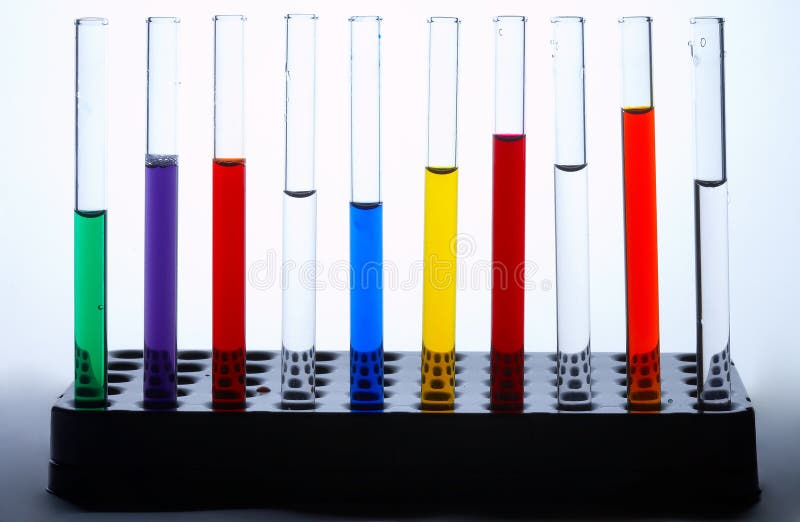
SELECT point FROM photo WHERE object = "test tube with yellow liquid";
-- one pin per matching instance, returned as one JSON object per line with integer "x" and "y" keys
{"x": 441, "y": 211}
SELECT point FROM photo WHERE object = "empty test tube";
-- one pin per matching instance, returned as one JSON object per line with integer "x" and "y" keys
{"x": 366, "y": 216}
{"x": 441, "y": 204}
{"x": 299, "y": 216}
{"x": 572, "y": 216}
{"x": 508, "y": 216}
{"x": 641, "y": 243}
{"x": 711, "y": 214}
{"x": 91, "y": 150}
{"x": 161, "y": 215}
{"x": 228, "y": 250}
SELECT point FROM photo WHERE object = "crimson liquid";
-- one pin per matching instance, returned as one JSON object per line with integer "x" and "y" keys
{"x": 508, "y": 285}
{"x": 641, "y": 259}
{"x": 228, "y": 368}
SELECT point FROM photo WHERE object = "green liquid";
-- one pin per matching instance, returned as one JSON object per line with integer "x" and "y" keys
{"x": 91, "y": 387}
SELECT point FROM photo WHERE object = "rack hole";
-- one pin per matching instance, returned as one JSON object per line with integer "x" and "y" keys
{"x": 389, "y": 382}
{"x": 691, "y": 368}
{"x": 126, "y": 354}
{"x": 326, "y": 356}
{"x": 691, "y": 381}
{"x": 193, "y": 355}
{"x": 253, "y": 381}
{"x": 322, "y": 369}
{"x": 256, "y": 368}
{"x": 389, "y": 369}
{"x": 260, "y": 355}
{"x": 687, "y": 357}
{"x": 619, "y": 357}
{"x": 186, "y": 379}
{"x": 114, "y": 390}
{"x": 622, "y": 370}
{"x": 392, "y": 356}
{"x": 183, "y": 392}
{"x": 186, "y": 367}
{"x": 123, "y": 366}
{"x": 321, "y": 381}
{"x": 119, "y": 377}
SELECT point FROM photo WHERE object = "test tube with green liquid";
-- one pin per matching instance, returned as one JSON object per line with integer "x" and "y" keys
{"x": 91, "y": 383}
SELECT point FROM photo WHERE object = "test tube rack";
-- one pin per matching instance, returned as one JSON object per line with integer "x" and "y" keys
{"x": 193, "y": 456}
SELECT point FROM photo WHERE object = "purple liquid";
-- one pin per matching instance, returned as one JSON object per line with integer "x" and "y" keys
{"x": 160, "y": 281}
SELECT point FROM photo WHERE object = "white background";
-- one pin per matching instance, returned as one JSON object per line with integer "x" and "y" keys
{"x": 37, "y": 140}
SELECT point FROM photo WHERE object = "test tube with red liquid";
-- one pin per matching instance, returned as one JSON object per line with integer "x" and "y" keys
{"x": 641, "y": 243}
{"x": 228, "y": 250}
{"x": 508, "y": 216}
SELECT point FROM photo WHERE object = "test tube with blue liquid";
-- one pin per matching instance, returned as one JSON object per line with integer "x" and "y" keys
{"x": 91, "y": 151}
{"x": 366, "y": 216}
{"x": 299, "y": 216}
{"x": 161, "y": 215}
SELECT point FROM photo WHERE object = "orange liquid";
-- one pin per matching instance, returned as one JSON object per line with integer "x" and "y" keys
{"x": 641, "y": 259}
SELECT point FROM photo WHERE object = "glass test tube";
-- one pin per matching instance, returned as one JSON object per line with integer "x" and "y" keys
{"x": 366, "y": 216}
{"x": 161, "y": 215}
{"x": 641, "y": 243}
{"x": 508, "y": 215}
{"x": 299, "y": 215}
{"x": 228, "y": 250}
{"x": 711, "y": 214}
{"x": 572, "y": 216}
{"x": 441, "y": 204}
{"x": 91, "y": 353}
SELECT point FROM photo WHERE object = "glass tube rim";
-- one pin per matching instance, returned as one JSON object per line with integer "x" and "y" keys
{"x": 91, "y": 20}
{"x": 230, "y": 18}
{"x": 365, "y": 18}
{"x": 510, "y": 18}
{"x": 567, "y": 19}
{"x": 437, "y": 19}
{"x": 707, "y": 20}
{"x": 635, "y": 19}
{"x": 163, "y": 19}
{"x": 301, "y": 16}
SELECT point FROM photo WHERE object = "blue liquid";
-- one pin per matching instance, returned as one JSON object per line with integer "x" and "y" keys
{"x": 366, "y": 306}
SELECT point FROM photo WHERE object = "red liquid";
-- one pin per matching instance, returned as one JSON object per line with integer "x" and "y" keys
{"x": 228, "y": 283}
{"x": 508, "y": 285}
{"x": 641, "y": 259}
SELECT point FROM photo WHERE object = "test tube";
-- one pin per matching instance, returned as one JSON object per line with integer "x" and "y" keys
{"x": 441, "y": 211}
{"x": 508, "y": 216}
{"x": 711, "y": 214}
{"x": 299, "y": 215}
{"x": 91, "y": 353}
{"x": 228, "y": 250}
{"x": 366, "y": 216}
{"x": 571, "y": 216}
{"x": 641, "y": 243}
{"x": 161, "y": 215}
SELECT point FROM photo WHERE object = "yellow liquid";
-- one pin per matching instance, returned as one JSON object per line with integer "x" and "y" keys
{"x": 439, "y": 288}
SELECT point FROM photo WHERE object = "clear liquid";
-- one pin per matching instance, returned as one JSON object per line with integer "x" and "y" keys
{"x": 572, "y": 286}
{"x": 299, "y": 299}
{"x": 713, "y": 316}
